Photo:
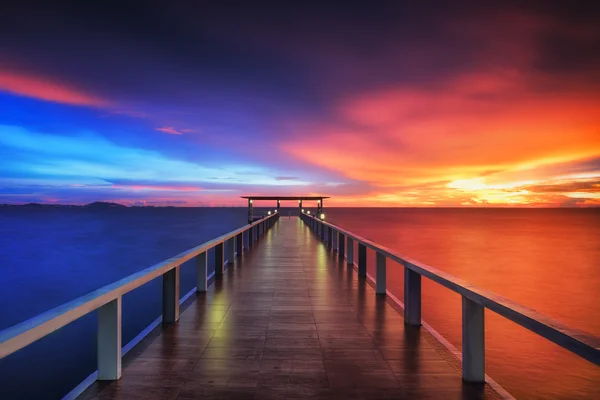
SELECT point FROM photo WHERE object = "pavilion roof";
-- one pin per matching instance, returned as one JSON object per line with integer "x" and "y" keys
{"x": 285, "y": 197}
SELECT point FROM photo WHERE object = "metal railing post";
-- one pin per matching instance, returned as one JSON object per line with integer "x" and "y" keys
{"x": 219, "y": 259}
{"x": 350, "y": 251}
{"x": 170, "y": 301}
{"x": 473, "y": 341}
{"x": 412, "y": 297}
{"x": 109, "y": 340}
{"x": 380, "y": 274}
{"x": 362, "y": 260}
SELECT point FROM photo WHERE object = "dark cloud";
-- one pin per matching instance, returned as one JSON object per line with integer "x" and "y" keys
{"x": 207, "y": 54}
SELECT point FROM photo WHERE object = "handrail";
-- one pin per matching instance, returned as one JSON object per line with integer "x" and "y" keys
{"x": 585, "y": 345}
{"x": 22, "y": 334}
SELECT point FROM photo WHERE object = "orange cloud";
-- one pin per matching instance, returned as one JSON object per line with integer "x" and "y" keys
{"x": 47, "y": 89}
{"x": 481, "y": 137}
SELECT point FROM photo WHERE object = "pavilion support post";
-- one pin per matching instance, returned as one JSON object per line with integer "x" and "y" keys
{"x": 109, "y": 341}
{"x": 231, "y": 250}
{"x": 219, "y": 259}
{"x": 362, "y": 260}
{"x": 473, "y": 342}
{"x": 412, "y": 297}
{"x": 170, "y": 301}
{"x": 341, "y": 245}
{"x": 380, "y": 274}
{"x": 202, "y": 272}
{"x": 350, "y": 251}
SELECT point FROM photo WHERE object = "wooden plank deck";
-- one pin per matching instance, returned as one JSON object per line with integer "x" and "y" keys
{"x": 289, "y": 321}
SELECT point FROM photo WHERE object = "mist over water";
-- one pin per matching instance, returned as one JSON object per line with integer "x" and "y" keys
{"x": 548, "y": 260}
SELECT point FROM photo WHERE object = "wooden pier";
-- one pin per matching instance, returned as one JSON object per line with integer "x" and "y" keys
{"x": 290, "y": 320}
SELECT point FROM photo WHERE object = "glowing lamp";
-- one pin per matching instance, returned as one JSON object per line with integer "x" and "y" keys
{"x": 303, "y": 210}
{"x": 269, "y": 213}
{"x": 308, "y": 212}
{"x": 322, "y": 216}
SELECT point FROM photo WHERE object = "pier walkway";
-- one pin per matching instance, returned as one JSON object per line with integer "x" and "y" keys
{"x": 289, "y": 320}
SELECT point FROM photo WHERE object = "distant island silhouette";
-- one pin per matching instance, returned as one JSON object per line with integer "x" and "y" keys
{"x": 94, "y": 205}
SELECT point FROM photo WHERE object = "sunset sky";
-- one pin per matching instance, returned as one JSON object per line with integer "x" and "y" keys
{"x": 386, "y": 104}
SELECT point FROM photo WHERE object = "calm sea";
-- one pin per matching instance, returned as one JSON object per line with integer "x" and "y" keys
{"x": 548, "y": 260}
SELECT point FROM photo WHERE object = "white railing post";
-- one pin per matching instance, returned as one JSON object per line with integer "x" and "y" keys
{"x": 362, "y": 260}
{"x": 231, "y": 250}
{"x": 170, "y": 301}
{"x": 473, "y": 341}
{"x": 239, "y": 244}
{"x": 202, "y": 272}
{"x": 219, "y": 259}
{"x": 341, "y": 246}
{"x": 380, "y": 279}
{"x": 109, "y": 341}
{"x": 412, "y": 297}
{"x": 336, "y": 240}
{"x": 350, "y": 251}
{"x": 334, "y": 234}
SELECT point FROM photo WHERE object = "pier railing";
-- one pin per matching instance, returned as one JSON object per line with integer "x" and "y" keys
{"x": 474, "y": 300}
{"x": 107, "y": 300}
